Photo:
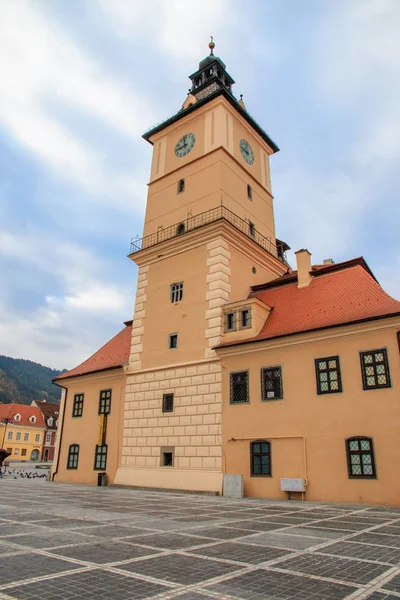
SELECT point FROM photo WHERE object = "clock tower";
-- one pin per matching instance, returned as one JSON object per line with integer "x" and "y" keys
{"x": 209, "y": 235}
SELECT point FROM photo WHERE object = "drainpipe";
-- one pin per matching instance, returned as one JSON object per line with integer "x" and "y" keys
{"x": 54, "y": 473}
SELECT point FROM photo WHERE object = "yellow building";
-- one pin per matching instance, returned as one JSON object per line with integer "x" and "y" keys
{"x": 21, "y": 431}
{"x": 222, "y": 326}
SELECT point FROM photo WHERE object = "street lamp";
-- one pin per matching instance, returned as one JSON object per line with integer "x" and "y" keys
{"x": 5, "y": 422}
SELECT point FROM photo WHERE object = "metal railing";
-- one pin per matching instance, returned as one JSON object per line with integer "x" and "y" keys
{"x": 200, "y": 220}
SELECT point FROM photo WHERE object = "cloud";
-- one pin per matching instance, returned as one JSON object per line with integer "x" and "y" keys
{"x": 42, "y": 68}
{"x": 79, "y": 309}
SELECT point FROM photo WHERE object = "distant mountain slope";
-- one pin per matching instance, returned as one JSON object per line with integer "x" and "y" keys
{"x": 22, "y": 381}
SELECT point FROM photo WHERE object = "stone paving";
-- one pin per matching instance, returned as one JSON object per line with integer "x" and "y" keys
{"x": 65, "y": 542}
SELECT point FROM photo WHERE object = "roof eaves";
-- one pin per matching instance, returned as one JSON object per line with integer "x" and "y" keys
{"x": 283, "y": 335}
{"x": 56, "y": 380}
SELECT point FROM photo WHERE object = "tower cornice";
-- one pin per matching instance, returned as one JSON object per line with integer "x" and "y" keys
{"x": 200, "y": 103}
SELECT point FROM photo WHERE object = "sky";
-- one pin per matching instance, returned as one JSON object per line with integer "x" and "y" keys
{"x": 82, "y": 80}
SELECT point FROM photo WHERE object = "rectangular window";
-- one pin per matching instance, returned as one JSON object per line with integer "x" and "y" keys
{"x": 230, "y": 321}
{"x": 181, "y": 186}
{"x": 48, "y": 439}
{"x": 10, "y": 435}
{"x": 9, "y": 450}
{"x": 176, "y": 292}
{"x": 375, "y": 369}
{"x": 245, "y": 318}
{"x": 327, "y": 371}
{"x": 105, "y": 402}
{"x": 249, "y": 192}
{"x": 168, "y": 459}
{"x": 18, "y": 436}
{"x": 239, "y": 387}
{"x": 16, "y": 451}
{"x": 271, "y": 383}
{"x": 73, "y": 456}
{"x": 360, "y": 458}
{"x": 100, "y": 458}
{"x": 260, "y": 459}
{"x": 77, "y": 409}
{"x": 37, "y": 438}
{"x": 26, "y": 437}
{"x": 23, "y": 452}
{"x": 252, "y": 229}
{"x": 173, "y": 341}
{"x": 168, "y": 403}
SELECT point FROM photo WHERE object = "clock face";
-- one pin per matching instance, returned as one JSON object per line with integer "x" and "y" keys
{"x": 247, "y": 152}
{"x": 185, "y": 144}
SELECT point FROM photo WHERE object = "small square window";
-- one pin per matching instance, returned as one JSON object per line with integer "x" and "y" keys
{"x": 239, "y": 387}
{"x": 77, "y": 408}
{"x": 105, "y": 402}
{"x": 375, "y": 369}
{"x": 16, "y": 451}
{"x": 167, "y": 457}
{"x": 168, "y": 403}
{"x": 252, "y": 229}
{"x": 173, "y": 341}
{"x": 9, "y": 450}
{"x": 230, "y": 321}
{"x": 176, "y": 292}
{"x": 249, "y": 192}
{"x": 271, "y": 383}
{"x": 327, "y": 371}
{"x": 245, "y": 318}
{"x": 23, "y": 452}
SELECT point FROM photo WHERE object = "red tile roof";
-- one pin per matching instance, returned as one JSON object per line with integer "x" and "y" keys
{"x": 339, "y": 294}
{"x": 113, "y": 354}
{"x": 48, "y": 409}
{"x": 8, "y": 411}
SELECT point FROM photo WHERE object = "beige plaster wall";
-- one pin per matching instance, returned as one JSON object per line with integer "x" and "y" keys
{"x": 325, "y": 421}
{"x": 85, "y": 430}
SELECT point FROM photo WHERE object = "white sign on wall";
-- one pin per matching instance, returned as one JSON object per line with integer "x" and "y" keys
{"x": 293, "y": 485}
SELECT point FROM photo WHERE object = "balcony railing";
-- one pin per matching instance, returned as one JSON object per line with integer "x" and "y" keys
{"x": 200, "y": 220}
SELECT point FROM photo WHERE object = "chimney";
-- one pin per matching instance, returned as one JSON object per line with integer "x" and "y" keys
{"x": 303, "y": 258}
{"x": 329, "y": 261}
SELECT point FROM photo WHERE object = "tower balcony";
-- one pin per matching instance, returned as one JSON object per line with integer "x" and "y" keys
{"x": 201, "y": 220}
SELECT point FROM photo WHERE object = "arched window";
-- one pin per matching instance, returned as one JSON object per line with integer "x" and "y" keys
{"x": 181, "y": 186}
{"x": 260, "y": 458}
{"x": 360, "y": 458}
{"x": 73, "y": 456}
{"x": 180, "y": 229}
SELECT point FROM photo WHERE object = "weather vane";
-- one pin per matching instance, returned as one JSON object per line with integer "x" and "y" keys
{"x": 211, "y": 45}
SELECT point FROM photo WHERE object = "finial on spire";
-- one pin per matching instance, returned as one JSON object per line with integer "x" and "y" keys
{"x": 211, "y": 45}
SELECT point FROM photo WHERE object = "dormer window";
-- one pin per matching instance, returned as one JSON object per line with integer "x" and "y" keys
{"x": 50, "y": 421}
{"x": 245, "y": 318}
{"x": 32, "y": 419}
{"x": 181, "y": 186}
{"x": 230, "y": 321}
{"x": 17, "y": 417}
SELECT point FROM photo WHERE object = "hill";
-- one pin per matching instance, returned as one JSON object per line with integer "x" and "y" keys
{"x": 22, "y": 381}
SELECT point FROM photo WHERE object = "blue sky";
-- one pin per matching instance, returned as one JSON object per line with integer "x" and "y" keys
{"x": 82, "y": 80}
